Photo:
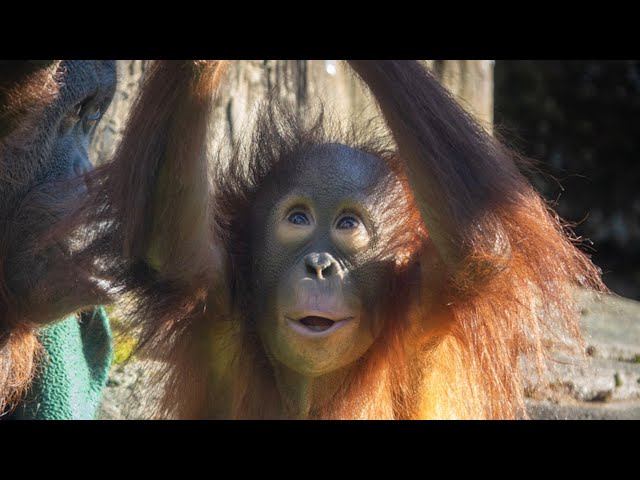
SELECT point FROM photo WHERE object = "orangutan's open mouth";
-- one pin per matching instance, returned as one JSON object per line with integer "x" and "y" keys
{"x": 317, "y": 324}
{"x": 314, "y": 325}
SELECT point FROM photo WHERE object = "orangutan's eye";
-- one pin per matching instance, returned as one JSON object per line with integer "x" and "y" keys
{"x": 348, "y": 222}
{"x": 90, "y": 115}
{"x": 298, "y": 218}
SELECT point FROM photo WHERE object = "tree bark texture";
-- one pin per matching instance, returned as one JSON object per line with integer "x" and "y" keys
{"x": 303, "y": 82}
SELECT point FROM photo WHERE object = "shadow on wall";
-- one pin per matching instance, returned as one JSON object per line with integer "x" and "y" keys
{"x": 580, "y": 120}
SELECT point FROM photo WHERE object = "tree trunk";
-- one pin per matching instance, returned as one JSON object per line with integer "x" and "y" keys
{"x": 109, "y": 131}
{"x": 303, "y": 82}
{"x": 471, "y": 82}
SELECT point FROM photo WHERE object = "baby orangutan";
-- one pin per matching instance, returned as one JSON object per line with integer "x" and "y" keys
{"x": 323, "y": 276}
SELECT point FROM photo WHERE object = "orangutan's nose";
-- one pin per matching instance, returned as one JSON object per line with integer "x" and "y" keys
{"x": 321, "y": 265}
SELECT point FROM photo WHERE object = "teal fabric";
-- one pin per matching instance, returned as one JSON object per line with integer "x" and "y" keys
{"x": 74, "y": 373}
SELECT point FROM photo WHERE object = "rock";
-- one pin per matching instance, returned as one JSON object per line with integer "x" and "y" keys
{"x": 545, "y": 410}
{"x": 129, "y": 393}
{"x": 603, "y": 384}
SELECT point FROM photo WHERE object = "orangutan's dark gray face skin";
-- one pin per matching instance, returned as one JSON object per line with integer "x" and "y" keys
{"x": 319, "y": 244}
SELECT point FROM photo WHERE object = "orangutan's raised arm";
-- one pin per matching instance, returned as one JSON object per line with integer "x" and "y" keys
{"x": 157, "y": 184}
{"x": 457, "y": 172}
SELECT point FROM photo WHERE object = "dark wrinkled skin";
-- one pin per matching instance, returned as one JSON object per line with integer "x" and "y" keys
{"x": 313, "y": 268}
{"x": 33, "y": 191}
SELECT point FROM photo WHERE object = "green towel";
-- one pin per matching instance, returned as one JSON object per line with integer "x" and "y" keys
{"x": 70, "y": 381}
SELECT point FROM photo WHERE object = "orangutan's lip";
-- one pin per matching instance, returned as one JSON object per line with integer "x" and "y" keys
{"x": 316, "y": 324}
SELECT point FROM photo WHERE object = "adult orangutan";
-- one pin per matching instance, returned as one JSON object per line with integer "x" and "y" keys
{"x": 48, "y": 113}
{"x": 321, "y": 275}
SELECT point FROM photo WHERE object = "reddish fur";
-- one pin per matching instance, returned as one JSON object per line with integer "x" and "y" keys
{"x": 508, "y": 249}
{"x": 24, "y": 92}
{"x": 19, "y": 353}
{"x": 460, "y": 312}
